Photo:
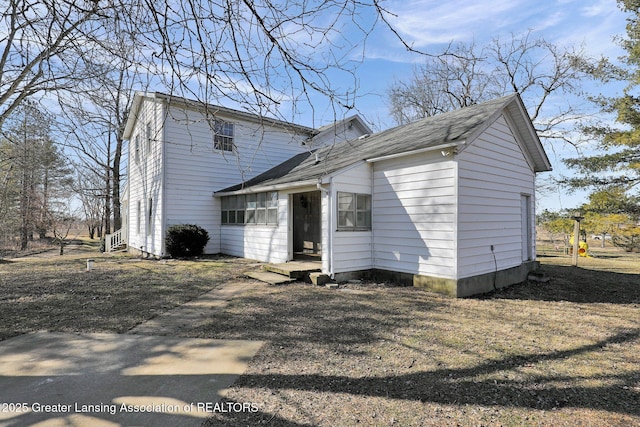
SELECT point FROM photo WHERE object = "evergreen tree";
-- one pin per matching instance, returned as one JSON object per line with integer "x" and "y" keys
{"x": 34, "y": 174}
{"x": 618, "y": 163}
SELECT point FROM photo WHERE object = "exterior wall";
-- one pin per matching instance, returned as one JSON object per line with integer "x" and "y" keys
{"x": 414, "y": 215}
{"x": 493, "y": 177}
{"x": 333, "y": 135}
{"x": 351, "y": 249}
{"x": 267, "y": 243}
{"x": 145, "y": 182}
{"x": 195, "y": 169}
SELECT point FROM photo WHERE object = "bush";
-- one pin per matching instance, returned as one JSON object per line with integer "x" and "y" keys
{"x": 186, "y": 240}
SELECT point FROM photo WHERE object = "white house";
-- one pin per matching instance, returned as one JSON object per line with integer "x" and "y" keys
{"x": 446, "y": 202}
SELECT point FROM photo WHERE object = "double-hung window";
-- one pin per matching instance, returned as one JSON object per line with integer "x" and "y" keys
{"x": 354, "y": 211}
{"x": 223, "y": 136}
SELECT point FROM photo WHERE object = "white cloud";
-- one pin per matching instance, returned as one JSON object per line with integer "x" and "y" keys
{"x": 428, "y": 22}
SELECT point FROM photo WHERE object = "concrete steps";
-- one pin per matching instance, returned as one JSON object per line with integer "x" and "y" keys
{"x": 287, "y": 272}
{"x": 271, "y": 278}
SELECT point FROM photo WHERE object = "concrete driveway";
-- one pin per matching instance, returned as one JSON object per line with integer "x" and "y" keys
{"x": 66, "y": 379}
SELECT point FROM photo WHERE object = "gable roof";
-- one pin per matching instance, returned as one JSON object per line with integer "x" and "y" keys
{"x": 207, "y": 108}
{"x": 444, "y": 130}
{"x": 340, "y": 125}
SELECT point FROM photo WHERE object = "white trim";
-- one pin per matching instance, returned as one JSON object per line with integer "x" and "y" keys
{"x": 263, "y": 188}
{"x": 422, "y": 150}
{"x": 200, "y": 106}
{"x": 163, "y": 184}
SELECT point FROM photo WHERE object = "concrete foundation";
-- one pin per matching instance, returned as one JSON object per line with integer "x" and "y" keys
{"x": 464, "y": 287}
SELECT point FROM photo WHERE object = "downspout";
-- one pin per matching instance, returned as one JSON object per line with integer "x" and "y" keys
{"x": 330, "y": 222}
{"x": 163, "y": 184}
{"x": 373, "y": 252}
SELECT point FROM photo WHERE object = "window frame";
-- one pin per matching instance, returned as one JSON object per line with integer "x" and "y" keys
{"x": 360, "y": 215}
{"x": 148, "y": 132}
{"x": 250, "y": 209}
{"x": 223, "y": 135}
{"x": 136, "y": 148}
{"x": 149, "y": 224}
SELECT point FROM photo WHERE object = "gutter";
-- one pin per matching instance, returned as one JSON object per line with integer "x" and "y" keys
{"x": 262, "y": 188}
{"x": 421, "y": 150}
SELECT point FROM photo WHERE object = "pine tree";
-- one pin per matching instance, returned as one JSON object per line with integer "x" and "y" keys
{"x": 618, "y": 163}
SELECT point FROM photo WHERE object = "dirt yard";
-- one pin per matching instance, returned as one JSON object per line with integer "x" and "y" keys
{"x": 565, "y": 353}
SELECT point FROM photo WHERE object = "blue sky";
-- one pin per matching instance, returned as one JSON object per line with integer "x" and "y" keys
{"x": 431, "y": 24}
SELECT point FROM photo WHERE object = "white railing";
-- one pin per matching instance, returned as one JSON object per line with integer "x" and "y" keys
{"x": 114, "y": 241}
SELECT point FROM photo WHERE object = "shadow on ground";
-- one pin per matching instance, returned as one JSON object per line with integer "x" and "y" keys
{"x": 463, "y": 387}
{"x": 576, "y": 284}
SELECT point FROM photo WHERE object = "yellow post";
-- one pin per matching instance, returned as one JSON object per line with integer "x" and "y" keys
{"x": 577, "y": 216}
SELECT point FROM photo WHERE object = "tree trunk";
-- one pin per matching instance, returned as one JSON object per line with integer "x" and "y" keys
{"x": 117, "y": 156}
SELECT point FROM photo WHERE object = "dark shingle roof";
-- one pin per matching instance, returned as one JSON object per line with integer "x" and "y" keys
{"x": 426, "y": 133}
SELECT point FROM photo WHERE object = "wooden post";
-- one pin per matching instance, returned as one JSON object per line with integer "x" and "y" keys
{"x": 577, "y": 217}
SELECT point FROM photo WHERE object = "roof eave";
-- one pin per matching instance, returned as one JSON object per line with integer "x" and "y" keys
{"x": 268, "y": 187}
{"x": 419, "y": 151}
{"x": 199, "y": 106}
{"x": 536, "y": 150}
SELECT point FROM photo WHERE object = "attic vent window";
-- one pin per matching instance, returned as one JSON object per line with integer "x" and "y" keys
{"x": 223, "y": 136}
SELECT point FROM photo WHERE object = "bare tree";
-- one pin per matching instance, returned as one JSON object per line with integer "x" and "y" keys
{"x": 539, "y": 71}
{"x": 40, "y": 44}
{"x": 89, "y": 187}
{"x": 268, "y": 57}
{"x": 64, "y": 224}
{"x": 93, "y": 129}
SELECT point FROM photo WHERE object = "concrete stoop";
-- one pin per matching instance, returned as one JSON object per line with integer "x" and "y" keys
{"x": 271, "y": 278}
{"x": 277, "y": 274}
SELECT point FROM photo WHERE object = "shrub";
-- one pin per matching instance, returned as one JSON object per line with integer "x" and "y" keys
{"x": 186, "y": 240}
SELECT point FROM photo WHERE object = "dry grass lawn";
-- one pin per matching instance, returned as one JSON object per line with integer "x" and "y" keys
{"x": 562, "y": 353}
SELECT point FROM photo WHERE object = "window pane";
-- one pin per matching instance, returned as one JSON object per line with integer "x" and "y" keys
{"x": 364, "y": 219}
{"x": 225, "y": 217}
{"x": 272, "y": 216}
{"x": 240, "y": 202}
{"x": 345, "y": 219}
{"x": 262, "y": 200}
{"x": 364, "y": 202}
{"x": 272, "y": 199}
{"x": 250, "y": 216}
{"x": 251, "y": 201}
{"x": 239, "y": 217}
{"x": 223, "y": 135}
{"x": 232, "y": 217}
{"x": 345, "y": 201}
{"x": 261, "y": 216}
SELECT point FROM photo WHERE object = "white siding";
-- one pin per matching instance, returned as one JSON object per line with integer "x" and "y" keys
{"x": 414, "y": 215}
{"x": 493, "y": 177}
{"x": 335, "y": 135}
{"x": 267, "y": 243}
{"x": 351, "y": 249}
{"x": 145, "y": 182}
{"x": 195, "y": 169}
